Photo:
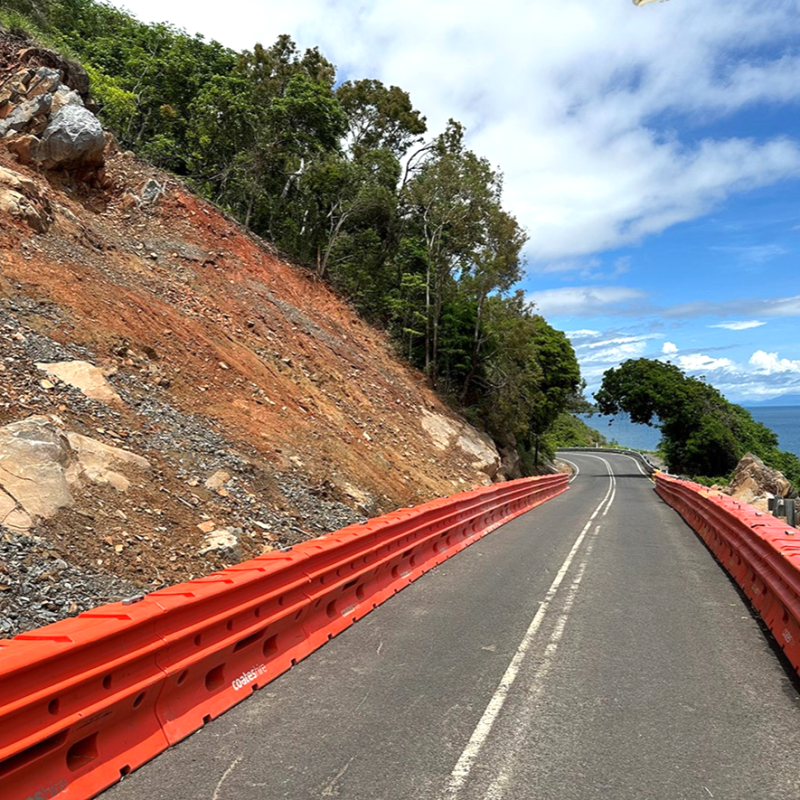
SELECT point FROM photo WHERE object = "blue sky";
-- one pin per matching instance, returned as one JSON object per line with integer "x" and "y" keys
{"x": 652, "y": 154}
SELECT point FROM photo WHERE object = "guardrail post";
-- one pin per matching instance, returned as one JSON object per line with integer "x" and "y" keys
{"x": 790, "y": 509}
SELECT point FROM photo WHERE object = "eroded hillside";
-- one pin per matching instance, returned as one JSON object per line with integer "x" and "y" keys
{"x": 266, "y": 411}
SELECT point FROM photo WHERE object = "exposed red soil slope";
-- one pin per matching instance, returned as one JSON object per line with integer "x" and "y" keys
{"x": 226, "y": 357}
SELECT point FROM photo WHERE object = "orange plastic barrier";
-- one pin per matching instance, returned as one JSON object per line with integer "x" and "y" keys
{"x": 760, "y": 552}
{"x": 86, "y": 700}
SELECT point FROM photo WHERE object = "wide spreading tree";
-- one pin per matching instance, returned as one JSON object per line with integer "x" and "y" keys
{"x": 703, "y": 434}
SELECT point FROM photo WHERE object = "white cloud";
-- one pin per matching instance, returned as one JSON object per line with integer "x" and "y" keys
{"x": 587, "y": 300}
{"x": 769, "y": 363}
{"x": 571, "y": 98}
{"x": 698, "y": 362}
{"x": 762, "y": 376}
{"x": 581, "y": 334}
{"x": 739, "y": 326}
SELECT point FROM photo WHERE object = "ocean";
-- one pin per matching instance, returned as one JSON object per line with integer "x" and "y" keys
{"x": 783, "y": 420}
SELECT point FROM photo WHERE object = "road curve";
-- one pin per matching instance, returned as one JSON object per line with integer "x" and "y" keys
{"x": 592, "y": 648}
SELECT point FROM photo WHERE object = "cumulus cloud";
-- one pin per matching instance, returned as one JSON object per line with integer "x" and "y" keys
{"x": 739, "y": 326}
{"x": 598, "y": 351}
{"x": 769, "y": 363}
{"x": 764, "y": 375}
{"x": 571, "y": 98}
{"x": 698, "y": 362}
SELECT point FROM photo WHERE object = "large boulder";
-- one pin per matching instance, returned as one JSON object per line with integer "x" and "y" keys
{"x": 753, "y": 480}
{"x": 35, "y": 461}
{"x": 73, "y": 138}
{"x": 20, "y": 198}
{"x": 43, "y": 118}
{"x": 41, "y": 463}
{"x": 479, "y": 447}
{"x": 511, "y": 463}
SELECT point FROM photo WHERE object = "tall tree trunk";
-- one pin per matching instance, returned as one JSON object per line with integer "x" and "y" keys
{"x": 476, "y": 346}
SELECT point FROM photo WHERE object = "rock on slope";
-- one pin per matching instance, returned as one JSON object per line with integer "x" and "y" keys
{"x": 266, "y": 410}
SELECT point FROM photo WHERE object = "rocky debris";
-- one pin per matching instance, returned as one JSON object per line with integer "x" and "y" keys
{"x": 754, "y": 483}
{"x": 447, "y": 433}
{"x": 39, "y": 586}
{"x": 40, "y": 463}
{"x": 216, "y": 481}
{"x": 511, "y": 463}
{"x": 84, "y": 376}
{"x": 151, "y": 191}
{"x": 96, "y": 459}
{"x": 223, "y": 542}
{"x": 21, "y": 199}
{"x": 73, "y": 137}
{"x": 311, "y": 417}
{"x": 43, "y": 118}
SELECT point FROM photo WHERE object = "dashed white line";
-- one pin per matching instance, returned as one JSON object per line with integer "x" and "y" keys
{"x": 461, "y": 771}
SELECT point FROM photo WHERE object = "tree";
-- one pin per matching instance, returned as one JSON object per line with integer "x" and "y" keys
{"x": 495, "y": 268}
{"x": 703, "y": 434}
{"x": 450, "y": 197}
{"x": 380, "y": 118}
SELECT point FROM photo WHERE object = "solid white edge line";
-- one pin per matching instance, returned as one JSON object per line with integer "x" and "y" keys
{"x": 464, "y": 764}
{"x": 572, "y": 464}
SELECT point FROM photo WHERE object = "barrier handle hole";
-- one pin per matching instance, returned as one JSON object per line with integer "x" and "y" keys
{"x": 270, "y": 646}
{"x": 82, "y": 753}
{"x": 19, "y": 760}
{"x": 215, "y": 678}
{"x": 247, "y": 641}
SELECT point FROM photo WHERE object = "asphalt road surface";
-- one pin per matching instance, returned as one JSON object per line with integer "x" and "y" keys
{"x": 592, "y": 648}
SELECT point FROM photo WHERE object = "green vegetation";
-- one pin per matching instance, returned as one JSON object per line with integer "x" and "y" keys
{"x": 569, "y": 431}
{"x": 410, "y": 229}
{"x": 704, "y": 435}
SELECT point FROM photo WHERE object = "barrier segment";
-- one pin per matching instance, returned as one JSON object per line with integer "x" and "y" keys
{"x": 86, "y": 700}
{"x": 77, "y": 703}
{"x": 761, "y": 553}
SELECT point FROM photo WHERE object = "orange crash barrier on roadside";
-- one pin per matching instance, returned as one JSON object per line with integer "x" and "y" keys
{"x": 86, "y": 700}
{"x": 761, "y": 553}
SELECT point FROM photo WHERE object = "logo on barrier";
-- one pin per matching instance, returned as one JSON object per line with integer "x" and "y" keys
{"x": 49, "y": 791}
{"x": 248, "y": 677}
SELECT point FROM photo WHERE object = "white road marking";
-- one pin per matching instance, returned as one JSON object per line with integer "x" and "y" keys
{"x": 499, "y": 784}
{"x": 461, "y": 771}
{"x": 224, "y": 777}
{"x": 635, "y": 461}
{"x": 572, "y": 464}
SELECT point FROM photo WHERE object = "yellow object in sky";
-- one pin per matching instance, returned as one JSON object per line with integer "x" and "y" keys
{"x": 644, "y": 2}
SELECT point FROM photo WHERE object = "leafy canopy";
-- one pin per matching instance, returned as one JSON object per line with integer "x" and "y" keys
{"x": 703, "y": 434}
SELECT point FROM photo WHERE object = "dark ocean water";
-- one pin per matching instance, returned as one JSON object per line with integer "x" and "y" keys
{"x": 784, "y": 420}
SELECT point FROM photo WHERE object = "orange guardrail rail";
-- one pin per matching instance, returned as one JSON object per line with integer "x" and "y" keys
{"x": 761, "y": 553}
{"x": 86, "y": 700}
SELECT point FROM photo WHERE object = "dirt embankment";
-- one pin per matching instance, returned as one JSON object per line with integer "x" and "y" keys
{"x": 227, "y": 362}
